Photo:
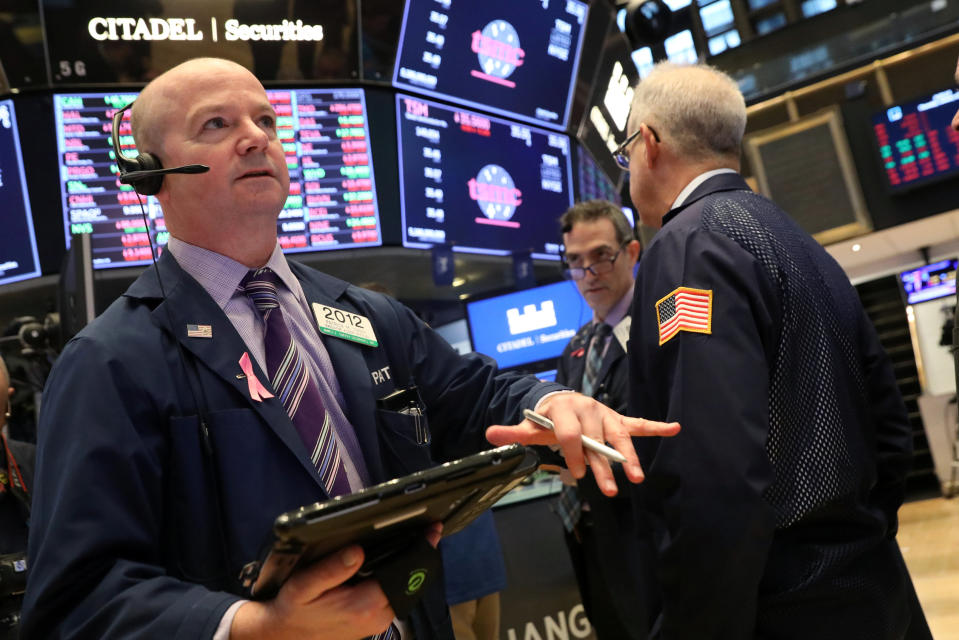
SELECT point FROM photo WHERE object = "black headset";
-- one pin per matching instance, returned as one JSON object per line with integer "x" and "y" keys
{"x": 144, "y": 172}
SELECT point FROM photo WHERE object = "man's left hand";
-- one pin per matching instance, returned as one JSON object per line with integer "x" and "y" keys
{"x": 573, "y": 415}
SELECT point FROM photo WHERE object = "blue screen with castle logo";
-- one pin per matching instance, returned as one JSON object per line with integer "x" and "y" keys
{"x": 481, "y": 184}
{"x": 527, "y": 326}
{"x": 517, "y": 58}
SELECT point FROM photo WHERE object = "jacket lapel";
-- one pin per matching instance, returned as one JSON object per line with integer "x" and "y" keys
{"x": 188, "y": 303}
{"x": 349, "y": 363}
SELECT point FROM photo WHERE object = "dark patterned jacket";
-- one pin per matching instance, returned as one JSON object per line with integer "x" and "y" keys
{"x": 775, "y": 507}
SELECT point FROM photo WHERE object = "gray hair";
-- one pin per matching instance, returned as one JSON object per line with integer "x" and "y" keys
{"x": 696, "y": 107}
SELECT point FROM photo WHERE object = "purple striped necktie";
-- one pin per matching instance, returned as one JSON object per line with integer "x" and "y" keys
{"x": 293, "y": 384}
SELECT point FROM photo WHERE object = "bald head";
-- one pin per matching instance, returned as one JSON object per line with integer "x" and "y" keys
{"x": 166, "y": 97}
{"x": 699, "y": 108}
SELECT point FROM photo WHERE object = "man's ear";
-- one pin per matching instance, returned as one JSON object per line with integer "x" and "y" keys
{"x": 650, "y": 146}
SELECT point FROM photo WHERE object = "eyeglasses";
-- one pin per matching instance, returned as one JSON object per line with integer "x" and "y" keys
{"x": 620, "y": 155}
{"x": 598, "y": 268}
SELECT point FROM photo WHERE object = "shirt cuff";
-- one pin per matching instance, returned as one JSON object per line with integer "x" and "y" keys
{"x": 550, "y": 395}
{"x": 223, "y": 630}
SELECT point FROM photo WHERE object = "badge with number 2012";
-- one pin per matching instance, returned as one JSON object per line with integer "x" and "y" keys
{"x": 344, "y": 324}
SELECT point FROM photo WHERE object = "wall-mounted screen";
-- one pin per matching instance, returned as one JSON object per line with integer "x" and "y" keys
{"x": 929, "y": 282}
{"x": 457, "y": 334}
{"x": 482, "y": 184}
{"x": 325, "y": 134}
{"x": 527, "y": 326}
{"x": 512, "y": 58}
{"x": 604, "y": 123}
{"x": 917, "y": 144}
{"x": 18, "y": 246}
{"x": 594, "y": 184}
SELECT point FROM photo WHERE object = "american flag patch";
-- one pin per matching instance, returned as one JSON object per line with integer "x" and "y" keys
{"x": 685, "y": 309}
{"x": 199, "y": 331}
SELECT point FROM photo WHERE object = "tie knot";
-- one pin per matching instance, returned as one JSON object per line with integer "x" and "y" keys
{"x": 602, "y": 331}
{"x": 260, "y": 286}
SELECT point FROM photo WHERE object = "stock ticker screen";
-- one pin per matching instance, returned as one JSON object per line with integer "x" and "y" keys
{"x": 512, "y": 57}
{"x": 18, "y": 247}
{"x": 917, "y": 144}
{"x": 482, "y": 184}
{"x": 325, "y": 134}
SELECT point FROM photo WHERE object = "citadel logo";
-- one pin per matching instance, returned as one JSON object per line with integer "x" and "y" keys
{"x": 532, "y": 319}
{"x": 496, "y": 194}
{"x": 499, "y": 52}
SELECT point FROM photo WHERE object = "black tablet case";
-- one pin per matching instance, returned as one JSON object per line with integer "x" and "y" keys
{"x": 387, "y": 517}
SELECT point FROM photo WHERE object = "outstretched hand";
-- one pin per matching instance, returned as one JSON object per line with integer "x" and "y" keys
{"x": 573, "y": 415}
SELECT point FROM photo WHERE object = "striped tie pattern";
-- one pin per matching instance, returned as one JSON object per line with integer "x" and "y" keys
{"x": 568, "y": 506}
{"x": 293, "y": 385}
{"x": 594, "y": 358}
{"x": 390, "y": 634}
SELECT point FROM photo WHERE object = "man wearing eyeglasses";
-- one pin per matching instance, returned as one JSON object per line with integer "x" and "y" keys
{"x": 774, "y": 510}
{"x": 600, "y": 254}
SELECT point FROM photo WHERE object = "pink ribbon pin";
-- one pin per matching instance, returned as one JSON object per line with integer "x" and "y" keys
{"x": 257, "y": 390}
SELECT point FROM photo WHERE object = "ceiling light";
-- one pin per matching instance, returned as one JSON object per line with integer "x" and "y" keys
{"x": 856, "y": 247}
{"x": 459, "y": 282}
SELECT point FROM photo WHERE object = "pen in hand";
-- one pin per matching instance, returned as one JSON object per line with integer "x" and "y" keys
{"x": 588, "y": 442}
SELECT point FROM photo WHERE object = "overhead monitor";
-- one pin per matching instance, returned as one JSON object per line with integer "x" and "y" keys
{"x": 605, "y": 120}
{"x": 929, "y": 282}
{"x": 512, "y": 58}
{"x": 18, "y": 245}
{"x": 326, "y": 138}
{"x": 594, "y": 183}
{"x": 481, "y": 184}
{"x": 916, "y": 141}
{"x": 528, "y": 326}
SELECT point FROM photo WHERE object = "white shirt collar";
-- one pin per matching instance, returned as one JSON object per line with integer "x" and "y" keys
{"x": 698, "y": 180}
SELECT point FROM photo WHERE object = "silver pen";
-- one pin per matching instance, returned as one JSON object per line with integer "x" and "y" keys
{"x": 588, "y": 442}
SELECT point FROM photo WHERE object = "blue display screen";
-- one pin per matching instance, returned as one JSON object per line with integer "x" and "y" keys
{"x": 932, "y": 281}
{"x": 18, "y": 246}
{"x": 482, "y": 184}
{"x": 513, "y": 58}
{"x": 527, "y": 326}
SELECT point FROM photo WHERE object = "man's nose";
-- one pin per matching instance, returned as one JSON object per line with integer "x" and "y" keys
{"x": 253, "y": 138}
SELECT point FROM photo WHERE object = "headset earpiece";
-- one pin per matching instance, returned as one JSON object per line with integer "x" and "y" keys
{"x": 145, "y": 185}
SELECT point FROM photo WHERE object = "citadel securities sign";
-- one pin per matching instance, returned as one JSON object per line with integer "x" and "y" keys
{"x": 120, "y": 28}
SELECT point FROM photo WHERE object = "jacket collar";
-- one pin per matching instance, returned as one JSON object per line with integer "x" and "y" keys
{"x": 715, "y": 184}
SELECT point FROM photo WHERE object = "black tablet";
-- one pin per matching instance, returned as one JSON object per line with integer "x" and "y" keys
{"x": 383, "y": 518}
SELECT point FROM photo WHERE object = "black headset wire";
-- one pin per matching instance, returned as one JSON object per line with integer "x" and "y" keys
{"x": 200, "y": 403}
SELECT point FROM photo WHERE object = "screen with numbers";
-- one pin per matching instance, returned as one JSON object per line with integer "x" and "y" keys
{"x": 512, "y": 57}
{"x": 325, "y": 134}
{"x": 18, "y": 246}
{"x": 482, "y": 184}
{"x": 917, "y": 144}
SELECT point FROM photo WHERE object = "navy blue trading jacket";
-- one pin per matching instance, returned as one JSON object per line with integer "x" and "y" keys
{"x": 774, "y": 509}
